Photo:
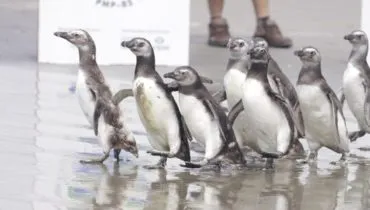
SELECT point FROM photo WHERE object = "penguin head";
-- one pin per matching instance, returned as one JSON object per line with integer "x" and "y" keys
{"x": 357, "y": 37}
{"x": 238, "y": 47}
{"x": 308, "y": 55}
{"x": 139, "y": 46}
{"x": 259, "y": 54}
{"x": 130, "y": 146}
{"x": 184, "y": 75}
{"x": 260, "y": 42}
{"x": 80, "y": 38}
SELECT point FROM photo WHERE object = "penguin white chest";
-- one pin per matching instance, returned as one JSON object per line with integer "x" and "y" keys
{"x": 202, "y": 126}
{"x": 233, "y": 81}
{"x": 85, "y": 97}
{"x": 316, "y": 112}
{"x": 156, "y": 112}
{"x": 266, "y": 122}
{"x": 354, "y": 92}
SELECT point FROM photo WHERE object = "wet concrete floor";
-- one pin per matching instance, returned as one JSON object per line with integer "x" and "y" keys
{"x": 44, "y": 135}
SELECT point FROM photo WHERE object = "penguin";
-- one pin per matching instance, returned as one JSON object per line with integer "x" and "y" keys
{"x": 237, "y": 68}
{"x": 205, "y": 118}
{"x": 89, "y": 80}
{"x": 281, "y": 84}
{"x": 113, "y": 133}
{"x": 89, "y": 73}
{"x": 325, "y": 124}
{"x": 356, "y": 83}
{"x": 268, "y": 115}
{"x": 157, "y": 109}
{"x": 233, "y": 79}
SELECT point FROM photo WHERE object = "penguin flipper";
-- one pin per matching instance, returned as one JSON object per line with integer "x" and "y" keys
{"x": 186, "y": 129}
{"x": 367, "y": 106}
{"x": 283, "y": 103}
{"x": 294, "y": 109}
{"x": 220, "y": 95}
{"x": 342, "y": 98}
{"x": 227, "y": 135}
{"x": 208, "y": 104}
{"x": 336, "y": 107}
{"x": 204, "y": 79}
{"x": 234, "y": 112}
{"x": 93, "y": 94}
{"x": 122, "y": 94}
{"x": 96, "y": 115}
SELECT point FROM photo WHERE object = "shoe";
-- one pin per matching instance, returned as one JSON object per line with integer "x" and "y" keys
{"x": 219, "y": 34}
{"x": 270, "y": 31}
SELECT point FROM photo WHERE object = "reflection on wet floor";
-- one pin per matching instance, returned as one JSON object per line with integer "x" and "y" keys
{"x": 52, "y": 177}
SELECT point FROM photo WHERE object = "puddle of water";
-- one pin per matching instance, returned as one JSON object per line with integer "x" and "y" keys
{"x": 41, "y": 168}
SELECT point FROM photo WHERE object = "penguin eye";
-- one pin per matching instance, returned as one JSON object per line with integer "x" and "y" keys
{"x": 241, "y": 44}
{"x": 75, "y": 35}
{"x": 141, "y": 44}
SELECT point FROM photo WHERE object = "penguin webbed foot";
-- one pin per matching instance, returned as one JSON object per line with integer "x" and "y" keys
{"x": 269, "y": 164}
{"x": 160, "y": 165}
{"x": 311, "y": 157}
{"x": 353, "y": 136}
{"x": 96, "y": 161}
{"x": 116, "y": 154}
{"x": 161, "y": 153}
{"x": 203, "y": 164}
{"x": 342, "y": 161}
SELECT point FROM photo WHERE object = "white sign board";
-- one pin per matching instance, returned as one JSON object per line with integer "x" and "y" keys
{"x": 365, "y": 20}
{"x": 165, "y": 23}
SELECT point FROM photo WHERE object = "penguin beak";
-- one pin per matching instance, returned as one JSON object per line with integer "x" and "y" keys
{"x": 170, "y": 75}
{"x": 128, "y": 44}
{"x": 348, "y": 37}
{"x": 61, "y": 34}
{"x": 298, "y": 53}
{"x": 232, "y": 46}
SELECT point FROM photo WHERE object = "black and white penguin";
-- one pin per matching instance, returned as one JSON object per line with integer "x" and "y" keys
{"x": 356, "y": 83}
{"x": 325, "y": 124}
{"x": 233, "y": 80}
{"x": 205, "y": 118}
{"x": 281, "y": 84}
{"x": 156, "y": 107}
{"x": 90, "y": 79}
{"x": 268, "y": 115}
